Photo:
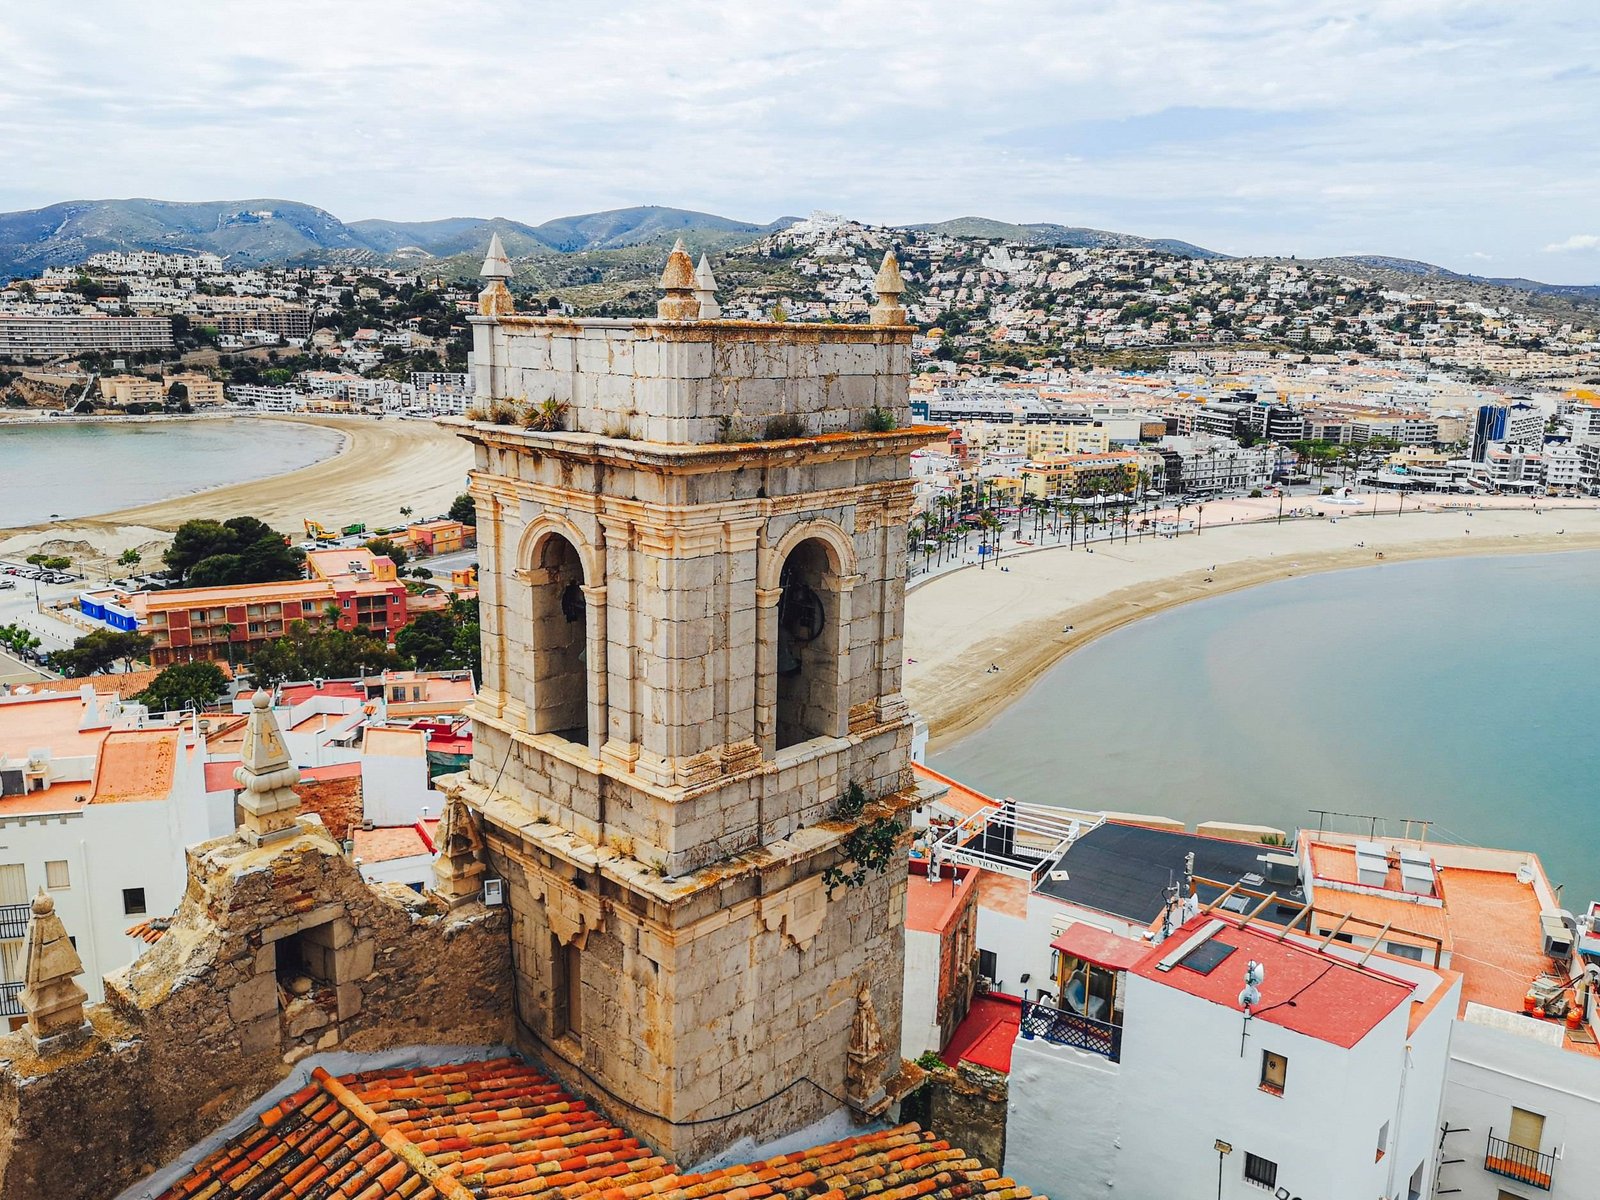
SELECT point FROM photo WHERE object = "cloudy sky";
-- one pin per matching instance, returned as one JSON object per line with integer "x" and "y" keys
{"x": 1463, "y": 132}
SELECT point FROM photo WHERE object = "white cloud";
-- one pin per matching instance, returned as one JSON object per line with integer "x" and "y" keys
{"x": 1307, "y": 126}
{"x": 1578, "y": 241}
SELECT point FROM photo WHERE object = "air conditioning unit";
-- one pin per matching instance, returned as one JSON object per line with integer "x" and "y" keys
{"x": 1557, "y": 926}
{"x": 494, "y": 892}
{"x": 1282, "y": 871}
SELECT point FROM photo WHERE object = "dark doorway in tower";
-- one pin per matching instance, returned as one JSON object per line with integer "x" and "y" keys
{"x": 560, "y": 638}
{"x": 808, "y": 646}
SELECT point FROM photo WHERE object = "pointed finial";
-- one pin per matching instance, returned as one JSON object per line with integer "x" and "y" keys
{"x": 705, "y": 290}
{"x": 267, "y": 776}
{"x": 495, "y": 298}
{"x": 889, "y": 287}
{"x": 496, "y": 265}
{"x": 50, "y": 995}
{"x": 677, "y": 280}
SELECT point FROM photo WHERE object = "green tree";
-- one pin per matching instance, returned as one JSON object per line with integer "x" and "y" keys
{"x": 389, "y": 548}
{"x": 323, "y": 652}
{"x": 429, "y": 641}
{"x": 96, "y": 652}
{"x": 129, "y": 558}
{"x": 239, "y": 550}
{"x": 182, "y": 685}
{"x": 463, "y": 509}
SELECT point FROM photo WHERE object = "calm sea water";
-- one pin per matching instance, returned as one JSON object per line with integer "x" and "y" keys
{"x": 76, "y": 469}
{"x": 1461, "y": 691}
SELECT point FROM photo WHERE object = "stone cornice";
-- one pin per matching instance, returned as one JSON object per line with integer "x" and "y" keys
{"x": 686, "y": 457}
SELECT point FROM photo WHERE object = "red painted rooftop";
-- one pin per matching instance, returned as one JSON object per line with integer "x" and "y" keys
{"x": 987, "y": 1033}
{"x": 300, "y": 692}
{"x": 1334, "y": 1000}
{"x": 501, "y": 1129}
{"x": 1098, "y": 946}
{"x": 933, "y": 907}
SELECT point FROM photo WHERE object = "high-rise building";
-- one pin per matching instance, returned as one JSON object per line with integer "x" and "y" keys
{"x": 1515, "y": 424}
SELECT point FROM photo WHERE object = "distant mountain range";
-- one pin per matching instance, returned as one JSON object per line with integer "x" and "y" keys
{"x": 1408, "y": 266}
{"x": 273, "y": 232}
{"x": 260, "y": 232}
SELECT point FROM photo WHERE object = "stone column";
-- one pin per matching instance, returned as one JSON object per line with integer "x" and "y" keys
{"x": 51, "y": 996}
{"x": 767, "y": 669}
{"x": 594, "y": 634}
{"x": 268, "y": 776}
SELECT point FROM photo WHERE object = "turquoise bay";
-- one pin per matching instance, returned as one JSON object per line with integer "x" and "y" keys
{"x": 1460, "y": 691}
{"x": 78, "y": 468}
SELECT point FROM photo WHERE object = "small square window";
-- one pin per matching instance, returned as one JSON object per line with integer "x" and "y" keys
{"x": 1262, "y": 1172}
{"x": 56, "y": 874}
{"x": 1274, "y": 1071}
{"x": 133, "y": 902}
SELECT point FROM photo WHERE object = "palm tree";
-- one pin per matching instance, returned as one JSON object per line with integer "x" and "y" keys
{"x": 226, "y": 630}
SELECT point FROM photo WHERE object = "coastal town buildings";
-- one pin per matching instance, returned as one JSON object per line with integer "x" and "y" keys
{"x": 49, "y": 336}
{"x": 349, "y": 588}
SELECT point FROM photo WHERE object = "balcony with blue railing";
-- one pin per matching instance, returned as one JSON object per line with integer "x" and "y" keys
{"x": 1062, "y": 1027}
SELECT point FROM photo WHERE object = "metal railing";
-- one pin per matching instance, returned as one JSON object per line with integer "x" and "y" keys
{"x": 1518, "y": 1162}
{"x": 1064, "y": 1028}
{"x": 10, "y": 1004}
{"x": 14, "y": 921}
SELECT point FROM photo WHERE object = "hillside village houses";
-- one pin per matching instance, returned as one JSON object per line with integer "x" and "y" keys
{"x": 688, "y": 735}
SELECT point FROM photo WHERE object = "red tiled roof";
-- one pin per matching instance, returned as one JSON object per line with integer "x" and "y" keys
{"x": 501, "y": 1129}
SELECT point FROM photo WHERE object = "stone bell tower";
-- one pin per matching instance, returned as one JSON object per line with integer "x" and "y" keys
{"x": 692, "y": 565}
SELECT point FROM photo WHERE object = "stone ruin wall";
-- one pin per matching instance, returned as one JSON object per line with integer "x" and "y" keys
{"x": 199, "y": 1027}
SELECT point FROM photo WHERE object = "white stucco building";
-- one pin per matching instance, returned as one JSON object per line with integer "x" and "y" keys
{"x": 1152, "y": 1076}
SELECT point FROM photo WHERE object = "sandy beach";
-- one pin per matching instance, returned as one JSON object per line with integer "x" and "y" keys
{"x": 381, "y": 466}
{"x": 960, "y": 624}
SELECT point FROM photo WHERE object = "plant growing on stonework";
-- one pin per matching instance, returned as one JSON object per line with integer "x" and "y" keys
{"x": 502, "y": 412}
{"x": 548, "y": 416}
{"x": 850, "y": 803}
{"x": 929, "y": 1060}
{"x": 868, "y": 851}
{"x": 784, "y": 426}
{"x": 879, "y": 420}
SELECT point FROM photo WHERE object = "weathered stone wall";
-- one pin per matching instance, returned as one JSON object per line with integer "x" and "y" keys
{"x": 705, "y": 996}
{"x": 204, "y": 1023}
{"x": 967, "y": 1106}
{"x": 686, "y": 382}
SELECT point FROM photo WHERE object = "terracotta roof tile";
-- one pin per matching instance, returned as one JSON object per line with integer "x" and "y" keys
{"x": 485, "y": 1130}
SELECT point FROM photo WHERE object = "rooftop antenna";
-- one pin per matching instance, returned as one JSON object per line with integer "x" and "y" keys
{"x": 1254, "y": 976}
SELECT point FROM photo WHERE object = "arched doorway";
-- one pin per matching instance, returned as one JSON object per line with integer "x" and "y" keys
{"x": 560, "y": 668}
{"x": 807, "y": 651}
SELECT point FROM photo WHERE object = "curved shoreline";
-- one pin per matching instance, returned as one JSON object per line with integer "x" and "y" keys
{"x": 950, "y": 648}
{"x": 378, "y": 467}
